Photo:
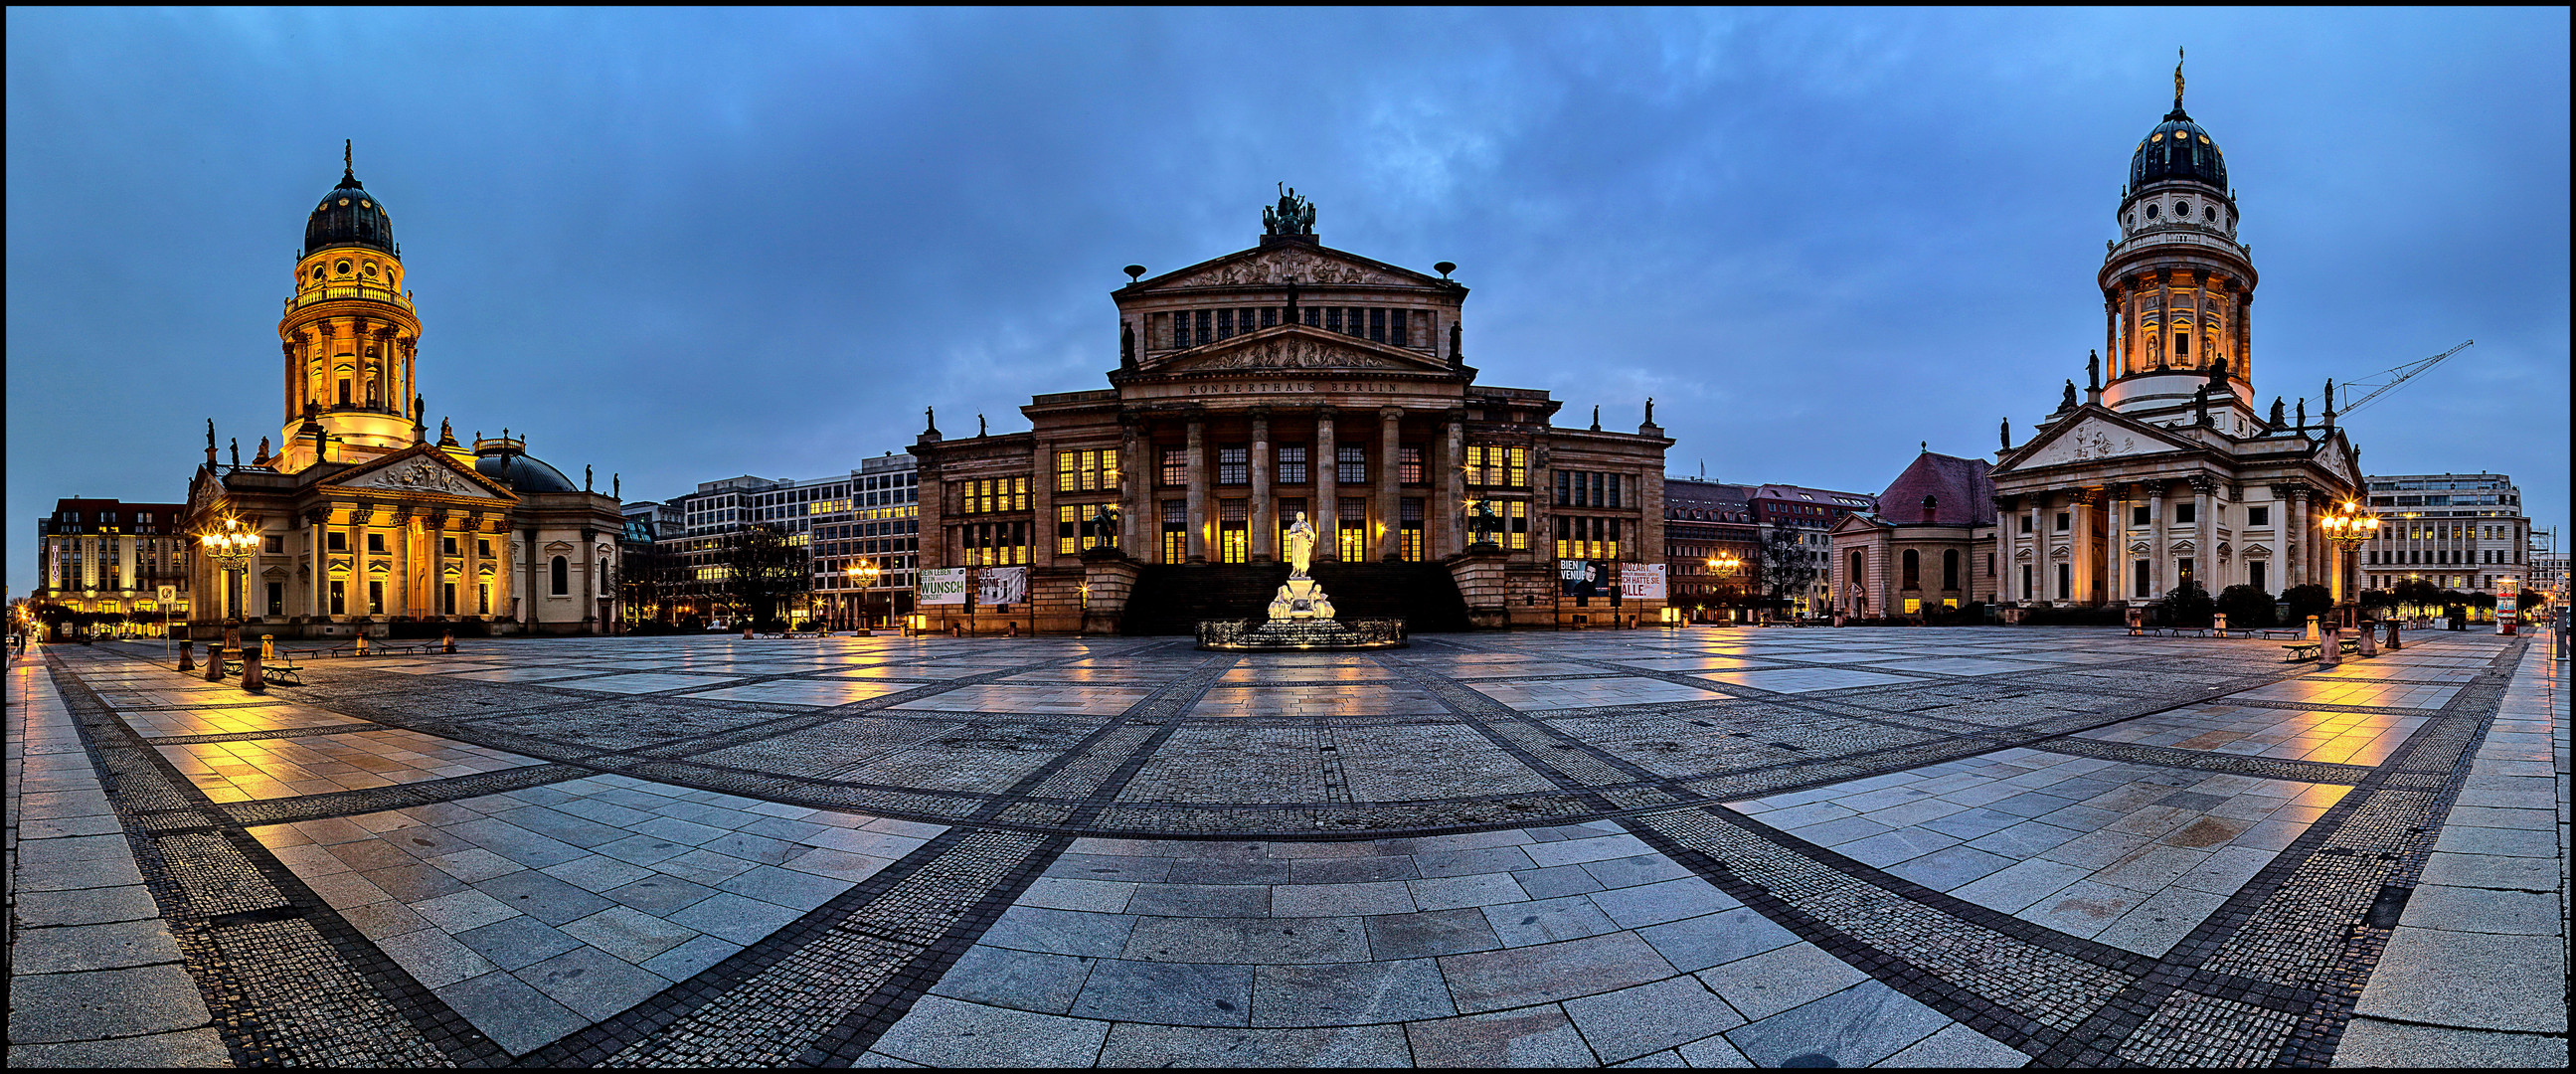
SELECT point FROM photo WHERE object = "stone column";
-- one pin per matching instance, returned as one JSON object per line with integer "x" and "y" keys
{"x": 589, "y": 595}
{"x": 2296, "y": 547}
{"x": 2115, "y": 529}
{"x": 1135, "y": 485}
{"x": 2111, "y": 335}
{"x": 1198, "y": 488}
{"x": 1449, "y": 488}
{"x": 1265, "y": 533}
{"x": 1327, "y": 513}
{"x": 2204, "y": 544}
{"x": 2087, "y": 538}
{"x": 1390, "y": 479}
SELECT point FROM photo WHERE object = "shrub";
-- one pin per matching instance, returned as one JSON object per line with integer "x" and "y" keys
{"x": 2187, "y": 605}
{"x": 2246, "y": 606}
{"x": 2307, "y": 600}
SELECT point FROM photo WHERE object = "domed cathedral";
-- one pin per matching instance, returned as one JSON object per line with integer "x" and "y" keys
{"x": 1292, "y": 380}
{"x": 2170, "y": 471}
{"x": 365, "y": 523}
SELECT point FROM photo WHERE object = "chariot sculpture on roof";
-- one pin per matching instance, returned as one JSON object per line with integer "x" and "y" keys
{"x": 1292, "y": 216}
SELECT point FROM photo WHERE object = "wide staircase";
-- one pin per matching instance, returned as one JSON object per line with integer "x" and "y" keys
{"x": 1173, "y": 598}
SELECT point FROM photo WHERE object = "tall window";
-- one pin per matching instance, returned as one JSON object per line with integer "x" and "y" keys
{"x": 2182, "y": 570}
{"x": 2065, "y": 581}
{"x": 1409, "y": 464}
{"x": 1079, "y": 527}
{"x": 1351, "y": 463}
{"x": 1395, "y": 333}
{"x": 1176, "y": 467}
{"x": 1913, "y": 570}
{"x": 1377, "y": 326}
{"x": 1350, "y": 540}
{"x": 339, "y": 597}
{"x": 1224, "y": 324}
{"x": 561, "y": 576}
{"x": 1497, "y": 466}
{"x": 1333, "y": 319}
{"x": 375, "y": 598}
{"x": 1234, "y": 464}
{"x": 1292, "y": 464}
{"x": 482, "y": 597}
{"x": 2138, "y": 588}
{"x": 1855, "y": 578}
{"x": 1086, "y": 471}
{"x": 446, "y": 598}
{"x": 1950, "y": 569}
{"x": 1207, "y": 332}
{"x": 276, "y": 598}
{"x": 1409, "y": 529}
{"x": 1176, "y": 531}
{"x": 1233, "y": 530}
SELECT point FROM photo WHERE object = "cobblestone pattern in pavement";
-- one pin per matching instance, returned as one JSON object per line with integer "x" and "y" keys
{"x": 1938, "y": 848}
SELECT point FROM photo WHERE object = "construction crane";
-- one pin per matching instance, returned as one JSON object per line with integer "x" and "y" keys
{"x": 2397, "y": 376}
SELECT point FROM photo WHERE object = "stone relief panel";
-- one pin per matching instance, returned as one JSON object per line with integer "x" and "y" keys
{"x": 1292, "y": 352}
{"x": 421, "y": 475}
{"x": 1279, "y": 267}
{"x": 2089, "y": 441}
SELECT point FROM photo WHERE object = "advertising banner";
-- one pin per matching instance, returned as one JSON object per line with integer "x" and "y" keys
{"x": 943, "y": 585}
{"x": 1579, "y": 577}
{"x": 1002, "y": 585}
{"x": 2508, "y": 599}
{"x": 1642, "y": 581}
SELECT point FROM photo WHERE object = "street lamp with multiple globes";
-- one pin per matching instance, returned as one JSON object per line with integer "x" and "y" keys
{"x": 2347, "y": 525}
{"x": 1723, "y": 563}
{"x": 864, "y": 573}
{"x": 230, "y": 546}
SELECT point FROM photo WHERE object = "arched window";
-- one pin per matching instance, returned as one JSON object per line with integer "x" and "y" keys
{"x": 1950, "y": 569}
{"x": 1856, "y": 578}
{"x": 562, "y": 577}
{"x": 1913, "y": 569}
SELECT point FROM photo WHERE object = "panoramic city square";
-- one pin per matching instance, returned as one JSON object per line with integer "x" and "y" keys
{"x": 1714, "y": 847}
{"x": 1355, "y": 537}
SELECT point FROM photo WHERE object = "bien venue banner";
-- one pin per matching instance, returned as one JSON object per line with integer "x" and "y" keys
{"x": 1002, "y": 585}
{"x": 943, "y": 585}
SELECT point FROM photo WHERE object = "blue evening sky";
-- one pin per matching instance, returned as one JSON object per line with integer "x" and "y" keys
{"x": 684, "y": 245}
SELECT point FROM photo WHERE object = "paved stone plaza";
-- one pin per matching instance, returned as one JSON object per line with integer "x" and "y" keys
{"x": 1961, "y": 847}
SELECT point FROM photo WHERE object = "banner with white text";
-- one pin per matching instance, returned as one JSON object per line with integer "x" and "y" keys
{"x": 943, "y": 585}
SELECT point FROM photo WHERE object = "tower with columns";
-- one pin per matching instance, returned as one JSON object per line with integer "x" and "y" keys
{"x": 2170, "y": 472}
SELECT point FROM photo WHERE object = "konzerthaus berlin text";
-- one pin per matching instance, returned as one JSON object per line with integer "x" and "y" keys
{"x": 1288, "y": 379}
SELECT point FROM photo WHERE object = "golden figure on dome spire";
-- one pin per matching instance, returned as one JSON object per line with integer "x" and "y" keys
{"x": 2177, "y": 76}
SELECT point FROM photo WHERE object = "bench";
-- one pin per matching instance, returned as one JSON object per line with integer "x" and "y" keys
{"x": 2304, "y": 650}
{"x": 2290, "y": 633}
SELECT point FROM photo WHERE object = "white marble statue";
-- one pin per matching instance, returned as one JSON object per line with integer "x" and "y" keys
{"x": 1301, "y": 545}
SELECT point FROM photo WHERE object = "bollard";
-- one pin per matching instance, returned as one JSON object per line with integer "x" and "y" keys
{"x": 746, "y": 632}
{"x": 268, "y": 646}
{"x": 2218, "y": 623}
{"x": 2312, "y": 628}
{"x": 2330, "y": 648}
{"x": 2369, "y": 645}
{"x": 447, "y": 641}
{"x": 362, "y": 641}
{"x": 187, "y": 654}
{"x": 2393, "y": 644}
{"x": 251, "y": 679}
{"x": 214, "y": 661}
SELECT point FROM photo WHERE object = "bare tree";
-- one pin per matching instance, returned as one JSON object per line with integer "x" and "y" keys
{"x": 1787, "y": 567}
{"x": 766, "y": 567}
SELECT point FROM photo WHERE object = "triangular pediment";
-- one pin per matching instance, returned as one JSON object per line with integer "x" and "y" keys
{"x": 422, "y": 469}
{"x": 2092, "y": 434}
{"x": 1858, "y": 523}
{"x": 1304, "y": 262}
{"x": 2334, "y": 456}
{"x": 1295, "y": 347}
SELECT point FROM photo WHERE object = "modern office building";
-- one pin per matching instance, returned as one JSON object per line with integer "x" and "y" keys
{"x": 2458, "y": 531}
{"x": 111, "y": 558}
{"x": 846, "y": 523}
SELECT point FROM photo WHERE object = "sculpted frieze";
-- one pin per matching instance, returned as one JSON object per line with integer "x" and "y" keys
{"x": 1278, "y": 268}
{"x": 1292, "y": 352}
{"x": 420, "y": 475}
{"x": 2090, "y": 441}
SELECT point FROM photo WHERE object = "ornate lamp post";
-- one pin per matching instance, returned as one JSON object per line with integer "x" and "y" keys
{"x": 1724, "y": 563}
{"x": 2347, "y": 526}
{"x": 230, "y": 546}
{"x": 865, "y": 573}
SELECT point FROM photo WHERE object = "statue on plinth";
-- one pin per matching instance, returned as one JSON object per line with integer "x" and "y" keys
{"x": 1300, "y": 597}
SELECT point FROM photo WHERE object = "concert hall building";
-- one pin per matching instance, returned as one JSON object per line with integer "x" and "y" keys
{"x": 1284, "y": 379}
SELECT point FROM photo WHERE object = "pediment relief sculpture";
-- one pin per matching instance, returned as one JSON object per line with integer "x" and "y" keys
{"x": 2023, "y": 555}
{"x": 2061, "y": 552}
{"x": 420, "y": 475}
{"x": 558, "y": 548}
{"x": 2184, "y": 548}
{"x": 1279, "y": 267}
{"x": 1287, "y": 351}
{"x": 2252, "y": 550}
{"x": 2141, "y": 547}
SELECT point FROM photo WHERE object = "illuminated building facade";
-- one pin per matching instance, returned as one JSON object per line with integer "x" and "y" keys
{"x": 108, "y": 557}
{"x": 365, "y": 523}
{"x": 2457, "y": 531}
{"x": 2170, "y": 472}
{"x": 866, "y": 517}
{"x": 1705, "y": 520}
{"x": 1286, "y": 379}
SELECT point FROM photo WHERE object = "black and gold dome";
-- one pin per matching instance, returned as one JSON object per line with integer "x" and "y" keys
{"x": 2178, "y": 149}
{"x": 349, "y": 216}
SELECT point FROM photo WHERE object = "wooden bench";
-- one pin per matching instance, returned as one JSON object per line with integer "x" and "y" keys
{"x": 2282, "y": 633}
{"x": 2304, "y": 650}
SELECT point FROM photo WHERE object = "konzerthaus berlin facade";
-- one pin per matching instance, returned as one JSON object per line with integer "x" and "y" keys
{"x": 1284, "y": 379}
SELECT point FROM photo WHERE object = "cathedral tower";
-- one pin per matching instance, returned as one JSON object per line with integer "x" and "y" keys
{"x": 2177, "y": 288}
{"x": 349, "y": 335}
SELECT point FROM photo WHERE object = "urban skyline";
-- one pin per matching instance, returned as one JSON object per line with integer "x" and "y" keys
{"x": 1750, "y": 290}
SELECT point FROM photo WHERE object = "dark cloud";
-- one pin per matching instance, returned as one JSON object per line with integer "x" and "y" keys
{"x": 687, "y": 245}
